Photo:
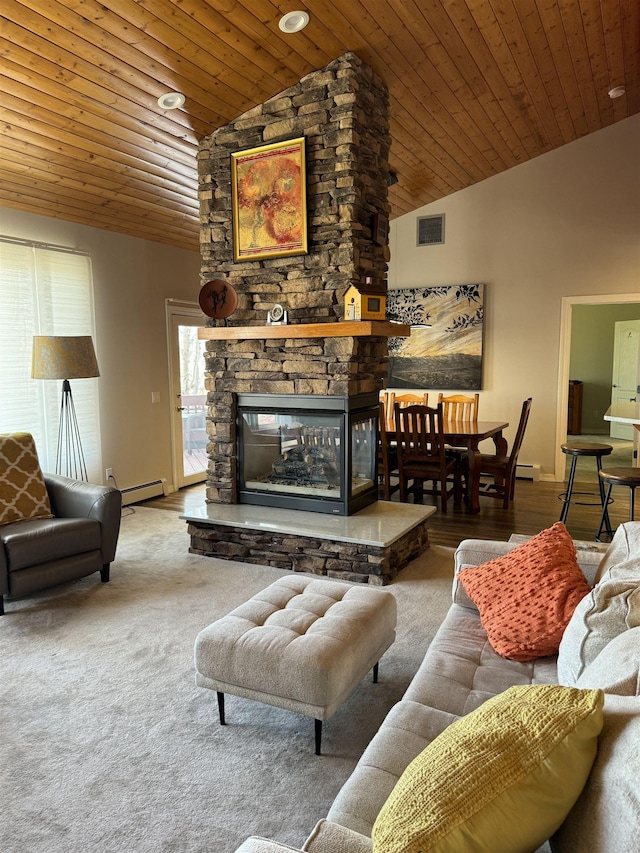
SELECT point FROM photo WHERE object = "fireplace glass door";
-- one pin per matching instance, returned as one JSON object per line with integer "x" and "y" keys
{"x": 300, "y": 453}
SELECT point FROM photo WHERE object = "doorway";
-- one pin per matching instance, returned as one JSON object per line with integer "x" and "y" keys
{"x": 626, "y": 371}
{"x": 188, "y": 396}
{"x": 566, "y": 317}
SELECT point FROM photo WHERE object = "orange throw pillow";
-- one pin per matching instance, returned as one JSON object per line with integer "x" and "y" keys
{"x": 526, "y": 597}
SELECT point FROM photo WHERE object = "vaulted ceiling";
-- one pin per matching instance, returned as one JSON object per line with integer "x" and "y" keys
{"x": 477, "y": 86}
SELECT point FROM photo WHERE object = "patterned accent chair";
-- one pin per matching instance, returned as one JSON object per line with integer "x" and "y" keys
{"x": 52, "y": 529}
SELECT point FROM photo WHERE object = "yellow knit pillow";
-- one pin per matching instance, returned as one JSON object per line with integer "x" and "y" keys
{"x": 23, "y": 493}
{"x": 503, "y": 777}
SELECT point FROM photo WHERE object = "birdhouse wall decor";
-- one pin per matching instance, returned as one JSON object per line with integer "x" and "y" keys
{"x": 364, "y": 304}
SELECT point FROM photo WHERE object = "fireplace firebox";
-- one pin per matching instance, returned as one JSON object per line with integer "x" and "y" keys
{"x": 308, "y": 452}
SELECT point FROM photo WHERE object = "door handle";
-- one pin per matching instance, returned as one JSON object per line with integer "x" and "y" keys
{"x": 180, "y": 408}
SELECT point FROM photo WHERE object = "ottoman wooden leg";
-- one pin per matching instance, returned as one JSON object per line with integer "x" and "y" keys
{"x": 375, "y": 672}
{"x": 221, "y": 707}
{"x": 318, "y": 735}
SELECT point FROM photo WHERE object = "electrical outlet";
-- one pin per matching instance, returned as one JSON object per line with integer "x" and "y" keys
{"x": 108, "y": 473}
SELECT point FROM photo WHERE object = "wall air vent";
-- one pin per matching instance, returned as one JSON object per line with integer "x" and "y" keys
{"x": 430, "y": 230}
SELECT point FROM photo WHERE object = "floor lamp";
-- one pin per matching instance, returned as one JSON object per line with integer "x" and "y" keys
{"x": 66, "y": 357}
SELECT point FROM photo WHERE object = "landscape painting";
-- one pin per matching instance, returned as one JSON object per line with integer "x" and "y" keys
{"x": 444, "y": 351}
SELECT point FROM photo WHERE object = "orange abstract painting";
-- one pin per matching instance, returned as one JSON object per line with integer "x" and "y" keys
{"x": 269, "y": 201}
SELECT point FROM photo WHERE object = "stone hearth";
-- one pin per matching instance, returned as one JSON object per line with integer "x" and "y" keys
{"x": 369, "y": 547}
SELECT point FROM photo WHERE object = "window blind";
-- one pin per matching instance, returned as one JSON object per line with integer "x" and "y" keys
{"x": 44, "y": 291}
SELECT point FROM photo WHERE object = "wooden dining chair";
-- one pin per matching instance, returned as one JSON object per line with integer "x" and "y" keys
{"x": 422, "y": 455}
{"x": 458, "y": 407}
{"x": 502, "y": 469}
{"x": 386, "y": 401}
{"x": 390, "y": 398}
{"x": 411, "y": 399}
{"x": 387, "y": 458}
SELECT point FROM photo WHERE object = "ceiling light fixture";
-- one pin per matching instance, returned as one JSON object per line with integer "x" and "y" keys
{"x": 171, "y": 100}
{"x": 293, "y": 22}
{"x": 617, "y": 92}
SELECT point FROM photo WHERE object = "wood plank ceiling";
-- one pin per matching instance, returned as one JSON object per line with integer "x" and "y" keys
{"x": 477, "y": 86}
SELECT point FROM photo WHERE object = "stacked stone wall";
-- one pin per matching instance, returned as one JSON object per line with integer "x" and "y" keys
{"x": 356, "y": 562}
{"x": 342, "y": 112}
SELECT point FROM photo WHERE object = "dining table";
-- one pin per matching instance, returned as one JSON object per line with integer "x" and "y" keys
{"x": 469, "y": 434}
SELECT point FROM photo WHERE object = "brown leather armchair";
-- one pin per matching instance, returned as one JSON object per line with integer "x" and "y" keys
{"x": 80, "y": 539}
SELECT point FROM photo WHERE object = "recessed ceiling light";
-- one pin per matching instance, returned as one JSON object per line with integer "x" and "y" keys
{"x": 293, "y": 22}
{"x": 171, "y": 100}
{"x": 617, "y": 92}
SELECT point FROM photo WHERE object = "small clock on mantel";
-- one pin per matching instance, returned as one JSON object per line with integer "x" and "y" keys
{"x": 277, "y": 316}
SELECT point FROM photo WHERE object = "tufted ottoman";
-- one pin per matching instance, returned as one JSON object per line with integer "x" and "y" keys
{"x": 300, "y": 644}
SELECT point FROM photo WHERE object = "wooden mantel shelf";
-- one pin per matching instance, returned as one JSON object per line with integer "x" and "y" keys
{"x": 348, "y": 329}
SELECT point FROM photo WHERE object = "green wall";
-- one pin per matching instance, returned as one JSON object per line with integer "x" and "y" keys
{"x": 592, "y": 335}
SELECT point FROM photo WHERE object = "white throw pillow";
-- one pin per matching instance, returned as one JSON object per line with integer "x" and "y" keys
{"x": 625, "y": 543}
{"x": 617, "y": 668}
{"x": 612, "y": 607}
{"x": 606, "y": 815}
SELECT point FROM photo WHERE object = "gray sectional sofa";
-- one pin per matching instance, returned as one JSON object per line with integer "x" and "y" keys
{"x": 460, "y": 671}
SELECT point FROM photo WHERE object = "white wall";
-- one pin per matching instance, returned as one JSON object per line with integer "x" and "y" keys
{"x": 564, "y": 224}
{"x": 132, "y": 279}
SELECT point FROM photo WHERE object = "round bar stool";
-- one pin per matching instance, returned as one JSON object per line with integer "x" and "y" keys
{"x": 629, "y": 477}
{"x": 576, "y": 449}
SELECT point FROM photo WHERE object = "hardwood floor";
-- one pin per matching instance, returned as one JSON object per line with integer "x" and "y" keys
{"x": 535, "y": 507}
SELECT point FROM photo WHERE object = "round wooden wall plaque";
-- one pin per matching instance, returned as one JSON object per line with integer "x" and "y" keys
{"x": 218, "y": 299}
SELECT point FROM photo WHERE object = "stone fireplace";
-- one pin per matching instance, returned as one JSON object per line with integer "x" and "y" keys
{"x": 342, "y": 112}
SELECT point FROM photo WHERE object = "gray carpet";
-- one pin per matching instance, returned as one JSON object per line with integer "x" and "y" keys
{"x": 108, "y": 745}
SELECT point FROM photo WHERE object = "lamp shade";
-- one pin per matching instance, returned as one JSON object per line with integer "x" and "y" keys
{"x": 63, "y": 357}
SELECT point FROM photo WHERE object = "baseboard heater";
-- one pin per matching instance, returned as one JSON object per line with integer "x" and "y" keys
{"x": 142, "y": 491}
{"x": 528, "y": 472}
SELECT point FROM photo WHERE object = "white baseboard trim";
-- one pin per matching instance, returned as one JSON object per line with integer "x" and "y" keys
{"x": 142, "y": 492}
{"x": 525, "y": 471}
